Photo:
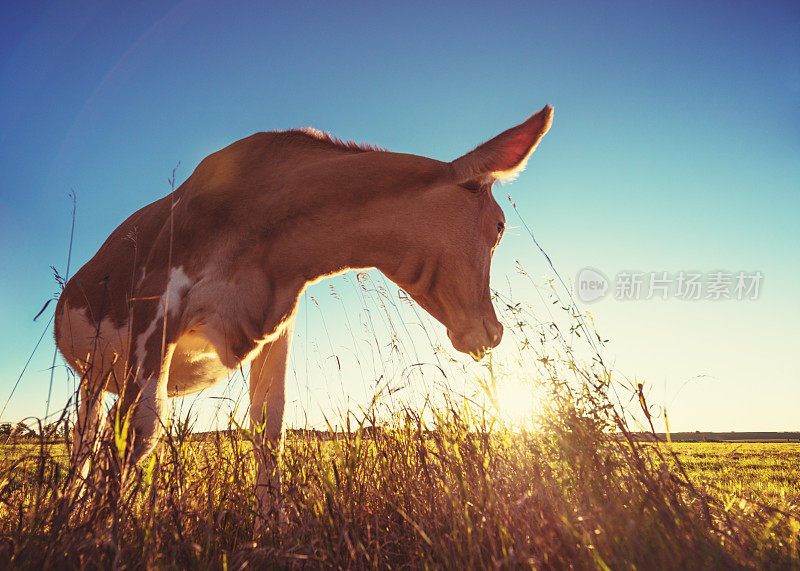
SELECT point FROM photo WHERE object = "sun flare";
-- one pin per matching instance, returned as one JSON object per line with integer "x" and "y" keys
{"x": 515, "y": 401}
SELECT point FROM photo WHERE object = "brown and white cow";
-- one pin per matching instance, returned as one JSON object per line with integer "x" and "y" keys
{"x": 192, "y": 286}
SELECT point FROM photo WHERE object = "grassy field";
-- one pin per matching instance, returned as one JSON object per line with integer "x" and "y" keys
{"x": 455, "y": 487}
{"x": 766, "y": 472}
{"x": 454, "y": 495}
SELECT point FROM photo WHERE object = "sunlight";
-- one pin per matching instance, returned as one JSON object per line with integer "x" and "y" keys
{"x": 515, "y": 401}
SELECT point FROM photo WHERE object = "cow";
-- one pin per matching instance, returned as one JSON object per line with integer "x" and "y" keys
{"x": 207, "y": 279}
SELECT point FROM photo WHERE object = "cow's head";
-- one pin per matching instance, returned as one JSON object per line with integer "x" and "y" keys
{"x": 461, "y": 224}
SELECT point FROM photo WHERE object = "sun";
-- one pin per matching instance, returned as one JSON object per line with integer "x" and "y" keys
{"x": 515, "y": 401}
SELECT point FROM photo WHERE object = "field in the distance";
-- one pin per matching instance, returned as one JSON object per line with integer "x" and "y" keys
{"x": 767, "y": 472}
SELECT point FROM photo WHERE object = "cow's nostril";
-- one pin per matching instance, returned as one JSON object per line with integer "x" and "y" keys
{"x": 495, "y": 333}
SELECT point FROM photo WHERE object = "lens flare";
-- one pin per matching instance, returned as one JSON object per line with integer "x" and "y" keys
{"x": 515, "y": 401}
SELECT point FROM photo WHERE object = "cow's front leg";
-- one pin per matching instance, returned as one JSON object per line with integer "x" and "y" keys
{"x": 150, "y": 407}
{"x": 144, "y": 405}
{"x": 86, "y": 434}
{"x": 267, "y": 400}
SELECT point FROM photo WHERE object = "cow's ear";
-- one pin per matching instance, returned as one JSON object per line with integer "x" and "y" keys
{"x": 504, "y": 156}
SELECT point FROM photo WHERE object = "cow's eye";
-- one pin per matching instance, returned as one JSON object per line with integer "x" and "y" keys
{"x": 500, "y": 227}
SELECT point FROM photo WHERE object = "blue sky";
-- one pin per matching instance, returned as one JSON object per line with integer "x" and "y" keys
{"x": 675, "y": 147}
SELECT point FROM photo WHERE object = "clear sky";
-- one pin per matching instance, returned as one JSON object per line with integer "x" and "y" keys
{"x": 675, "y": 147}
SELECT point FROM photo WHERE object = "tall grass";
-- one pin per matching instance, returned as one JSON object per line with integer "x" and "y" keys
{"x": 444, "y": 481}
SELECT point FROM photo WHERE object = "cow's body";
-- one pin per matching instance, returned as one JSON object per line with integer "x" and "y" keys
{"x": 192, "y": 286}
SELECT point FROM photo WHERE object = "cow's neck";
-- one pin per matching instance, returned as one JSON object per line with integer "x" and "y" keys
{"x": 360, "y": 223}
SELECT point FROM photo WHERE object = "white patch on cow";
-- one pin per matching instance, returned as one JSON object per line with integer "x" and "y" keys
{"x": 141, "y": 340}
{"x": 171, "y": 298}
{"x": 178, "y": 281}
